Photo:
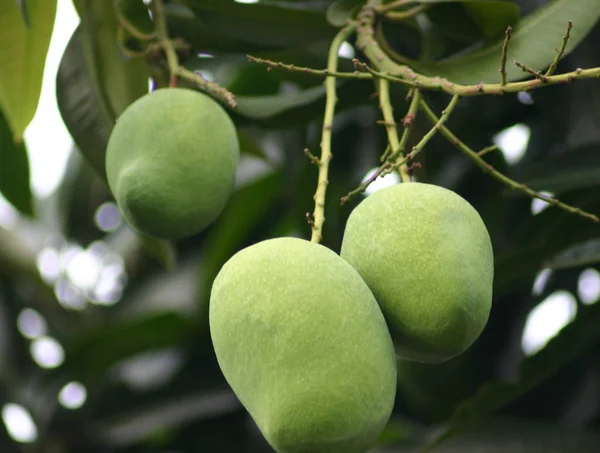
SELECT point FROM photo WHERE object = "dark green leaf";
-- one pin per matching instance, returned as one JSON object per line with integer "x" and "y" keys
{"x": 24, "y": 11}
{"x": 249, "y": 145}
{"x": 493, "y": 17}
{"x": 274, "y": 25}
{"x": 134, "y": 16}
{"x": 136, "y": 424}
{"x": 573, "y": 341}
{"x": 15, "y": 183}
{"x": 23, "y": 50}
{"x": 341, "y": 11}
{"x": 88, "y": 120}
{"x": 575, "y": 169}
{"x": 163, "y": 251}
{"x": 583, "y": 254}
{"x": 264, "y": 107}
{"x": 244, "y": 210}
{"x": 91, "y": 353}
{"x": 533, "y": 43}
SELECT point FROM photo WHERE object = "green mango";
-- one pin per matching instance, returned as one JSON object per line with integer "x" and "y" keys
{"x": 303, "y": 344}
{"x": 171, "y": 162}
{"x": 426, "y": 255}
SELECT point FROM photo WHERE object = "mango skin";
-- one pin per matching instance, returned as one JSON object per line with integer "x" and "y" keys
{"x": 303, "y": 344}
{"x": 171, "y": 161}
{"x": 426, "y": 255}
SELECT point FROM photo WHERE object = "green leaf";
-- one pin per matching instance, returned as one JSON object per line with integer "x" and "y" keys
{"x": 15, "y": 183}
{"x": 118, "y": 80}
{"x": 80, "y": 107}
{"x": 583, "y": 254}
{"x": 573, "y": 341}
{"x": 493, "y": 17}
{"x": 479, "y": 18}
{"x": 161, "y": 250}
{"x": 23, "y": 51}
{"x": 275, "y": 25}
{"x": 264, "y": 107}
{"x": 248, "y": 145}
{"x": 575, "y": 169}
{"x": 243, "y": 212}
{"x": 341, "y": 11}
{"x": 134, "y": 16}
{"x": 534, "y": 40}
{"x": 96, "y": 81}
{"x": 91, "y": 353}
{"x": 24, "y": 11}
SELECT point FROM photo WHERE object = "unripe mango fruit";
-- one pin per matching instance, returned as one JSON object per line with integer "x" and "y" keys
{"x": 426, "y": 255}
{"x": 171, "y": 161}
{"x": 303, "y": 344}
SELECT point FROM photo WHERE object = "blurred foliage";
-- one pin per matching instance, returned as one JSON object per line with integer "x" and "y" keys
{"x": 142, "y": 347}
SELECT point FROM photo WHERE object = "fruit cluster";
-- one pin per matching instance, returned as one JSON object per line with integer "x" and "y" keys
{"x": 306, "y": 338}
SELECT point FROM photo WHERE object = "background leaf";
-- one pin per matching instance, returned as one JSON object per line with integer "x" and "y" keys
{"x": 15, "y": 183}
{"x": 573, "y": 341}
{"x": 23, "y": 52}
{"x": 533, "y": 42}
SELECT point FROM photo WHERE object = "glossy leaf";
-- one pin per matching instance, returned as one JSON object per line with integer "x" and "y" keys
{"x": 15, "y": 183}
{"x": 264, "y": 107}
{"x": 533, "y": 43}
{"x": 490, "y": 16}
{"x": 341, "y": 11}
{"x": 493, "y": 17}
{"x": 583, "y": 254}
{"x": 84, "y": 113}
{"x": 23, "y": 50}
{"x": 96, "y": 81}
{"x": 574, "y": 340}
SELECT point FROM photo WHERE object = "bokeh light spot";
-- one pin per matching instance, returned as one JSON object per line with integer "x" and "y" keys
{"x": 31, "y": 324}
{"x": 547, "y": 319}
{"x": 47, "y": 352}
{"x": 73, "y": 395}
{"x": 588, "y": 286}
{"x": 19, "y": 423}
{"x": 108, "y": 217}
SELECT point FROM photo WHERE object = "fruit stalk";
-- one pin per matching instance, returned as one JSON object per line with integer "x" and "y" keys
{"x": 390, "y": 126}
{"x": 175, "y": 69}
{"x": 326, "y": 156}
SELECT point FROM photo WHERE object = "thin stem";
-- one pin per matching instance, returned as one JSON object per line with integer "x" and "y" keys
{"x": 561, "y": 51}
{"x": 316, "y": 72}
{"x": 409, "y": 119}
{"x": 173, "y": 61}
{"x": 475, "y": 157}
{"x": 388, "y": 156}
{"x": 538, "y": 75}
{"x": 507, "y": 36}
{"x": 326, "y": 155}
{"x": 437, "y": 126}
{"x": 394, "y": 5}
{"x": 399, "y": 16}
{"x": 390, "y": 124}
{"x": 436, "y": 83}
{"x": 387, "y": 68}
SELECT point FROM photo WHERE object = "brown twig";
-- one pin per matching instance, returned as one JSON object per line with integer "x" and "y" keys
{"x": 488, "y": 168}
{"x": 561, "y": 51}
{"x": 507, "y": 36}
